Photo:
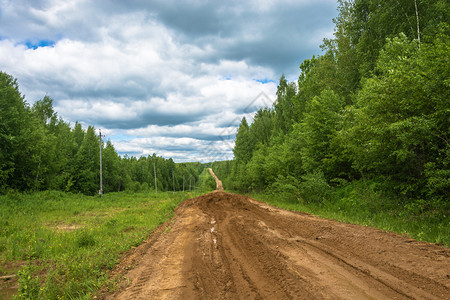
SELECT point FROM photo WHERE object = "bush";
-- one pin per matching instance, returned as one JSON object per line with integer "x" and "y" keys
{"x": 314, "y": 188}
{"x": 286, "y": 188}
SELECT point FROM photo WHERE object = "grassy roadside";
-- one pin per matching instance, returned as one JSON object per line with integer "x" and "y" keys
{"x": 348, "y": 207}
{"x": 61, "y": 246}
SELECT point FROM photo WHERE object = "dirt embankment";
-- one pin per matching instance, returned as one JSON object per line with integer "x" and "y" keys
{"x": 226, "y": 246}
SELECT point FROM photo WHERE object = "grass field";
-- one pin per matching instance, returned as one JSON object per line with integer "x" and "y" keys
{"x": 61, "y": 246}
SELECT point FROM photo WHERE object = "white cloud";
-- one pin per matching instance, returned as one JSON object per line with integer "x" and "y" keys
{"x": 171, "y": 78}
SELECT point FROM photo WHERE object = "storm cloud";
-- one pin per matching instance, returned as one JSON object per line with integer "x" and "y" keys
{"x": 170, "y": 77}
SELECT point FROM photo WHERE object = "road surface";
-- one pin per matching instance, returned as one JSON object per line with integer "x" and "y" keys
{"x": 227, "y": 246}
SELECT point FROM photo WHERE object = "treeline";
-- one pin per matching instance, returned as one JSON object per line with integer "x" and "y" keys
{"x": 372, "y": 110}
{"x": 40, "y": 151}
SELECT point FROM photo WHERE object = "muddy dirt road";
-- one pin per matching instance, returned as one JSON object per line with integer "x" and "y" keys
{"x": 226, "y": 246}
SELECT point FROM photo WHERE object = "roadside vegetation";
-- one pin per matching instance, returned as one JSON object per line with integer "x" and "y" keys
{"x": 356, "y": 202}
{"x": 61, "y": 245}
{"x": 363, "y": 135}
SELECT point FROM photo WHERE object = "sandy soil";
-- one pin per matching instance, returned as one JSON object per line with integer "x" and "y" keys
{"x": 227, "y": 246}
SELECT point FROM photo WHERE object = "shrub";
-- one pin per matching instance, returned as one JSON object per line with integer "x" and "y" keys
{"x": 286, "y": 188}
{"x": 314, "y": 188}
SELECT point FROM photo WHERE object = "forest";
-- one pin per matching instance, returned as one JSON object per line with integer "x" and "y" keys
{"x": 372, "y": 112}
{"x": 40, "y": 151}
{"x": 367, "y": 121}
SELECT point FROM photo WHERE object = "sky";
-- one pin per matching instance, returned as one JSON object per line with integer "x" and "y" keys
{"x": 169, "y": 77}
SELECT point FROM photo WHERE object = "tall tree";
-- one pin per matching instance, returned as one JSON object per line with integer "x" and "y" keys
{"x": 20, "y": 138}
{"x": 284, "y": 106}
{"x": 112, "y": 180}
{"x": 244, "y": 146}
{"x": 87, "y": 164}
{"x": 401, "y": 126}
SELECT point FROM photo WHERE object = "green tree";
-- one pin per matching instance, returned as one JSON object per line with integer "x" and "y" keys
{"x": 284, "y": 106}
{"x": 44, "y": 112}
{"x": 244, "y": 145}
{"x": 401, "y": 126}
{"x": 112, "y": 180}
{"x": 262, "y": 127}
{"x": 21, "y": 138}
{"x": 87, "y": 164}
{"x": 319, "y": 128}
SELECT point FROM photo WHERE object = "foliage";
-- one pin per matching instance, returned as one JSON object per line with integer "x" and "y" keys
{"x": 28, "y": 284}
{"x": 372, "y": 111}
{"x": 21, "y": 139}
{"x": 207, "y": 183}
{"x": 68, "y": 242}
{"x": 39, "y": 151}
{"x": 402, "y": 119}
{"x": 285, "y": 188}
{"x": 314, "y": 188}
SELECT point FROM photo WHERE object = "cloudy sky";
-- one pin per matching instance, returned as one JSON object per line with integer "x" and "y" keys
{"x": 160, "y": 76}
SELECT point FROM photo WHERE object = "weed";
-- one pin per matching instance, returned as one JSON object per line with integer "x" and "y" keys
{"x": 167, "y": 229}
{"x": 74, "y": 261}
{"x": 28, "y": 285}
{"x": 85, "y": 239}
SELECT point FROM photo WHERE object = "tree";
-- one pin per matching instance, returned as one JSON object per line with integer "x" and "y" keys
{"x": 401, "y": 127}
{"x": 284, "y": 106}
{"x": 12, "y": 112}
{"x": 318, "y": 129}
{"x": 244, "y": 146}
{"x": 262, "y": 127}
{"x": 87, "y": 164}
{"x": 21, "y": 138}
{"x": 111, "y": 169}
{"x": 44, "y": 112}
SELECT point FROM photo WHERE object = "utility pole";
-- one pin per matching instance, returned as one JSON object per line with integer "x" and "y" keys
{"x": 156, "y": 184}
{"x": 101, "y": 183}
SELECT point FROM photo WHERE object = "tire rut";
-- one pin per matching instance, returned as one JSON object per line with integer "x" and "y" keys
{"x": 227, "y": 246}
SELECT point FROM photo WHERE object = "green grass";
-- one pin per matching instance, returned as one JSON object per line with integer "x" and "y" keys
{"x": 353, "y": 204}
{"x": 65, "y": 244}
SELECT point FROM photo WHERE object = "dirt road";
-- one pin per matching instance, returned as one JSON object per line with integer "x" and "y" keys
{"x": 226, "y": 246}
{"x": 219, "y": 186}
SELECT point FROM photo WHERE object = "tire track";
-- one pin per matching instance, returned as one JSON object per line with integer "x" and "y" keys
{"x": 227, "y": 246}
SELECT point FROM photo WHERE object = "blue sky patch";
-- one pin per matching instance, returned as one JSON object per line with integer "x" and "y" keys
{"x": 36, "y": 44}
{"x": 264, "y": 81}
